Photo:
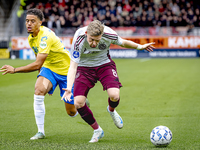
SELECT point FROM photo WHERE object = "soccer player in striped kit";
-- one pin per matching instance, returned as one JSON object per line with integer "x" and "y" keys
{"x": 91, "y": 62}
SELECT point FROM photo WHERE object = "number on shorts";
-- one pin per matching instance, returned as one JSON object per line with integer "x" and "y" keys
{"x": 114, "y": 73}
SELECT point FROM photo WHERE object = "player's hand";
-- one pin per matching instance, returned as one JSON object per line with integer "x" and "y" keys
{"x": 66, "y": 95}
{"x": 7, "y": 69}
{"x": 147, "y": 47}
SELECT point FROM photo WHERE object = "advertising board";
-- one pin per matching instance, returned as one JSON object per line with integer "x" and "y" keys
{"x": 169, "y": 46}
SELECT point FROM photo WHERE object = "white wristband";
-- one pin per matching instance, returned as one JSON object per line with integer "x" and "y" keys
{"x": 139, "y": 47}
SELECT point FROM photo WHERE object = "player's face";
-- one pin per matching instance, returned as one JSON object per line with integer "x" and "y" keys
{"x": 93, "y": 40}
{"x": 33, "y": 24}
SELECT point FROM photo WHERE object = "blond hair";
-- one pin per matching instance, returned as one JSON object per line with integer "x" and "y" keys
{"x": 95, "y": 28}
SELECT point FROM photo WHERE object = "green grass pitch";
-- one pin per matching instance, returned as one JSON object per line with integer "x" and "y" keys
{"x": 155, "y": 92}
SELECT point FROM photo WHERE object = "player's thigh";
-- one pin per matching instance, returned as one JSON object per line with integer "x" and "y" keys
{"x": 108, "y": 76}
{"x": 83, "y": 83}
{"x": 113, "y": 93}
{"x": 42, "y": 86}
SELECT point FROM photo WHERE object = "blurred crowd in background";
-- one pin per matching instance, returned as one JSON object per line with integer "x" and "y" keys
{"x": 118, "y": 13}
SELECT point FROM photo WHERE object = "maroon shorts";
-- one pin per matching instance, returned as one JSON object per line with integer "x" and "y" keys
{"x": 86, "y": 77}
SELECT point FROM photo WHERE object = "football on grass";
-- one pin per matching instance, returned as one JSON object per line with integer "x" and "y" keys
{"x": 161, "y": 136}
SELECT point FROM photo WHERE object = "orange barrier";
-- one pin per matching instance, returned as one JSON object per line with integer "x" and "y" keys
{"x": 161, "y": 42}
{"x": 18, "y": 43}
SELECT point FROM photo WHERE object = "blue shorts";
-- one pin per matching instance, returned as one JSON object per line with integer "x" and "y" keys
{"x": 56, "y": 79}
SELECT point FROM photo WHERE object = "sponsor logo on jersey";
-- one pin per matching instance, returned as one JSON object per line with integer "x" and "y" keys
{"x": 102, "y": 46}
{"x": 75, "y": 54}
{"x": 43, "y": 44}
{"x": 44, "y": 38}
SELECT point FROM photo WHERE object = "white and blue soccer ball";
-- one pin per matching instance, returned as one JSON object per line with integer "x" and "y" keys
{"x": 161, "y": 136}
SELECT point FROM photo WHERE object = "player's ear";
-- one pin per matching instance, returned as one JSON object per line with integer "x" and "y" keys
{"x": 86, "y": 32}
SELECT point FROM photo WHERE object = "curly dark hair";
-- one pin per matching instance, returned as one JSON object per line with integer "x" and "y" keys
{"x": 36, "y": 12}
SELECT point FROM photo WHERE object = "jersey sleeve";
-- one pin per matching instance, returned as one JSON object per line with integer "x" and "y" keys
{"x": 115, "y": 38}
{"x": 118, "y": 41}
{"x": 45, "y": 44}
{"x": 75, "y": 50}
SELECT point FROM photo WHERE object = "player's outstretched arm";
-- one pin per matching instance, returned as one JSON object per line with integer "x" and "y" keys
{"x": 70, "y": 80}
{"x": 29, "y": 68}
{"x": 131, "y": 44}
{"x": 7, "y": 69}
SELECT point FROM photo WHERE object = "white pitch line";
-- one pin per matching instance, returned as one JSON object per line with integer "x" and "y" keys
{"x": 145, "y": 59}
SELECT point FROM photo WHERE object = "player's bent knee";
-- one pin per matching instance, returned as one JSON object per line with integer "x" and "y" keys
{"x": 40, "y": 91}
{"x": 79, "y": 104}
{"x": 114, "y": 99}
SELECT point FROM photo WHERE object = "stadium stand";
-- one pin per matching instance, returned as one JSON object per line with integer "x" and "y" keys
{"x": 151, "y": 16}
{"x": 7, "y": 7}
{"x": 129, "y": 17}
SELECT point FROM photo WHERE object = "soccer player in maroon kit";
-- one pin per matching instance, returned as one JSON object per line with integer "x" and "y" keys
{"x": 91, "y": 62}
